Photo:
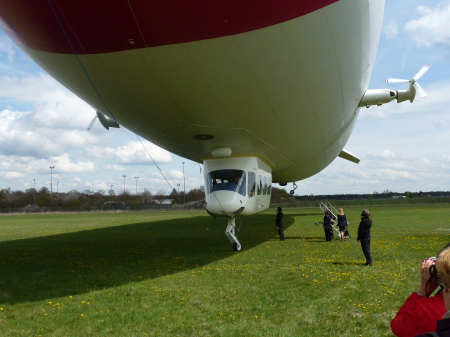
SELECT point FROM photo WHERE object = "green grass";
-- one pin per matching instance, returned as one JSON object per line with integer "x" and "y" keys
{"x": 164, "y": 274}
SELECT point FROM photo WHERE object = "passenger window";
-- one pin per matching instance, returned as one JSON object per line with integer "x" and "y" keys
{"x": 241, "y": 183}
{"x": 251, "y": 184}
{"x": 259, "y": 191}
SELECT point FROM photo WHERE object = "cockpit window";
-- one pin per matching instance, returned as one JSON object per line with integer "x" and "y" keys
{"x": 229, "y": 180}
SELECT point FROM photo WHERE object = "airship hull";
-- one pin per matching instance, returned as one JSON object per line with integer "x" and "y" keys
{"x": 286, "y": 91}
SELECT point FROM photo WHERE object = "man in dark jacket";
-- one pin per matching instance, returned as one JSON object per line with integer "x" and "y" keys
{"x": 279, "y": 223}
{"x": 364, "y": 235}
{"x": 327, "y": 227}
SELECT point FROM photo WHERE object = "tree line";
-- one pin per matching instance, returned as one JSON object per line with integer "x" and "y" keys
{"x": 44, "y": 200}
{"x": 33, "y": 200}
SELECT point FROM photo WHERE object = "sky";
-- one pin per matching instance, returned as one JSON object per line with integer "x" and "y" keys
{"x": 403, "y": 147}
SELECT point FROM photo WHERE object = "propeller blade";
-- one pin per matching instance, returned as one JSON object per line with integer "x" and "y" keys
{"x": 395, "y": 80}
{"x": 92, "y": 123}
{"x": 420, "y": 91}
{"x": 422, "y": 71}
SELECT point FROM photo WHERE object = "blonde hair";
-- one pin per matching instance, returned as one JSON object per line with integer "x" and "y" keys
{"x": 443, "y": 267}
{"x": 340, "y": 211}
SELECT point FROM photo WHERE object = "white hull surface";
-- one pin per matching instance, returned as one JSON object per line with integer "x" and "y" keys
{"x": 287, "y": 93}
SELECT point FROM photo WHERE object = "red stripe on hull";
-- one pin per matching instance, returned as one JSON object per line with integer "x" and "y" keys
{"x": 103, "y": 26}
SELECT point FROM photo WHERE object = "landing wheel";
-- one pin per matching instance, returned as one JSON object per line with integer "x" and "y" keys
{"x": 236, "y": 247}
{"x": 292, "y": 192}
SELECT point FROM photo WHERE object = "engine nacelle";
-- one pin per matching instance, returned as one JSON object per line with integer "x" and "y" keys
{"x": 382, "y": 96}
{"x": 377, "y": 97}
{"x": 106, "y": 122}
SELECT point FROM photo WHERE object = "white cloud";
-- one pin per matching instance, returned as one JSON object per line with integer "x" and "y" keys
{"x": 133, "y": 152}
{"x": 175, "y": 174}
{"x": 433, "y": 25}
{"x": 64, "y": 165}
{"x": 118, "y": 168}
{"x": 11, "y": 175}
{"x": 21, "y": 135}
{"x": 386, "y": 154}
{"x": 391, "y": 30}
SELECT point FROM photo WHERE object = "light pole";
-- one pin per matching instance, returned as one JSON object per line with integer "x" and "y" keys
{"x": 34, "y": 191}
{"x": 124, "y": 176}
{"x": 136, "y": 184}
{"x": 51, "y": 186}
{"x": 178, "y": 193}
{"x": 112, "y": 197}
{"x": 184, "y": 186}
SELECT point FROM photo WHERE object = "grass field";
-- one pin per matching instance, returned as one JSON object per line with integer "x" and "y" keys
{"x": 165, "y": 274}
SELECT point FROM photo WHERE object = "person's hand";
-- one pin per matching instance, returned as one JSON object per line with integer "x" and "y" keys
{"x": 426, "y": 288}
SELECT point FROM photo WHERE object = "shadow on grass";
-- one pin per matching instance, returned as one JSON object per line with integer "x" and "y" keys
{"x": 76, "y": 263}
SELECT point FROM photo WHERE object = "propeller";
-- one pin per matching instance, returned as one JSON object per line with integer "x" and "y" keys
{"x": 92, "y": 123}
{"x": 413, "y": 81}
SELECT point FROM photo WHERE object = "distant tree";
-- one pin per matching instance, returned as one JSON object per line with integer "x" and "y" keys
{"x": 19, "y": 199}
{"x": 147, "y": 197}
{"x": 160, "y": 194}
{"x": 280, "y": 195}
{"x": 73, "y": 194}
{"x": 173, "y": 194}
{"x": 43, "y": 200}
{"x": 44, "y": 190}
{"x": 73, "y": 203}
{"x": 195, "y": 194}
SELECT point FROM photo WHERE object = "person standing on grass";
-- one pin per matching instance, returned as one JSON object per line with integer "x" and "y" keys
{"x": 342, "y": 223}
{"x": 364, "y": 235}
{"x": 327, "y": 225}
{"x": 279, "y": 223}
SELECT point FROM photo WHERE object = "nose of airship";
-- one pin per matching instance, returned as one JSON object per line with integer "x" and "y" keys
{"x": 225, "y": 203}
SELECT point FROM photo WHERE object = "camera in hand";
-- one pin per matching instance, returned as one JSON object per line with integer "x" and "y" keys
{"x": 433, "y": 270}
